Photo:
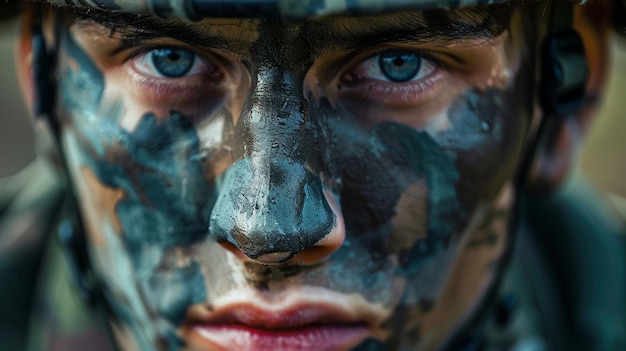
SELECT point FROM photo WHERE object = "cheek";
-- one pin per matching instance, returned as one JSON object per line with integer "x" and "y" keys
{"x": 197, "y": 99}
{"x": 147, "y": 184}
{"x": 486, "y": 131}
{"x": 143, "y": 192}
{"x": 397, "y": 190}
{"x": 409, "y": 193}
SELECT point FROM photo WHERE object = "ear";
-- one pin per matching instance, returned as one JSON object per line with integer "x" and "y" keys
{"x": 23, "y": 56}
{"x": 34, "y": 94}
{"x": 560, "y": 150}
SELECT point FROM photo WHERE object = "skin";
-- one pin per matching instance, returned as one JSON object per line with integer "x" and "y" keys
{"x": 285, "y": 165}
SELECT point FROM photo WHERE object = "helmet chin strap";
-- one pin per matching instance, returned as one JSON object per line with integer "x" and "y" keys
{"x": 564, "y": 74}
{"x": 562, "y": 89}
{"x": 70, "y": 228}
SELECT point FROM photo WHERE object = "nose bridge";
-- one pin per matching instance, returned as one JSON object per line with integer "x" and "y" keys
{"x": 274, "y": 120}
{"x": 272, "y": 204}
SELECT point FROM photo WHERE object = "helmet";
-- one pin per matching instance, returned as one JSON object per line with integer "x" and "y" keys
{"x": 288, "y": 9}
{"x": 322, "y": 192}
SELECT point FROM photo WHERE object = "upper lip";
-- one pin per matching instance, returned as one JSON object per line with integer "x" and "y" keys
{"x": 299, "y": 311}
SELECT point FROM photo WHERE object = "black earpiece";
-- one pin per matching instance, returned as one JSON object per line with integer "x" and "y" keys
{"x": 564, "y": 73}
{"x": 564, "y": 68}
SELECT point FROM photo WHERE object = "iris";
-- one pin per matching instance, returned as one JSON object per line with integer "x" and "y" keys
{"x": 399, "y": 66}
{"x": 173, "y": 63}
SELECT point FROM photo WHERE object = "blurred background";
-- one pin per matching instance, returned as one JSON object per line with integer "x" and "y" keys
{"x": 603, "y": 158}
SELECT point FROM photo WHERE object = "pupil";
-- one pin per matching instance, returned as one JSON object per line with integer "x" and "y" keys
{"x": 399, "y": 66}
{"x": 173, "y": 63}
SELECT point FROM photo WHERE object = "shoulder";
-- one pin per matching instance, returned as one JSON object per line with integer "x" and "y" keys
{"x": 570, "y": 263}
{"x": 27, "y": 208}
{"x": 619, "y": 204}
{"x": 27, "y": 203}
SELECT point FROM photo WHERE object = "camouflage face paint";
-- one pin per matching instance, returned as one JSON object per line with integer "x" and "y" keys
{"x": 216, "y": 193}
{"x": 274, "y": 143}
{"x": 164, "y": 200}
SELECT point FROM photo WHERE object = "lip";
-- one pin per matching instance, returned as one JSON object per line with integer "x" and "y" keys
{"x": 223, "y": 337}
{"x": 296, "y": 324}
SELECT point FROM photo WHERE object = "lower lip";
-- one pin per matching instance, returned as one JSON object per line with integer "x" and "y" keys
{"x": 224, "y": 337}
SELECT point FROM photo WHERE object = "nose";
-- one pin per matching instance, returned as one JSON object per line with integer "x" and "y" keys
{"x": 276, "y": 214}
{"x": 272, "y": 205}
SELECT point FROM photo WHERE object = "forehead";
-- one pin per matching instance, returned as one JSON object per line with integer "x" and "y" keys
{"x": 285, "y": 9}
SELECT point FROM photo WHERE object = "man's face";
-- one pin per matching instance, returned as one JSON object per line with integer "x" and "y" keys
{"x": 261, "y": 185}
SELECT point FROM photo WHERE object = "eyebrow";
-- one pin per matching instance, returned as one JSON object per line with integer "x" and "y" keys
{"x": 134, "y": 29}
{"x": 433, "y": 26}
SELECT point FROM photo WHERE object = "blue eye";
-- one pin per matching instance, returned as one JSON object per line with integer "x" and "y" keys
{"x": 394, "y": 66}
{"x": 399, "y": 66}
{"x": 172, "y": 63}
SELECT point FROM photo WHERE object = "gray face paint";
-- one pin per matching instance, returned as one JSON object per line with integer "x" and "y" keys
{"x": 262, "y": 183}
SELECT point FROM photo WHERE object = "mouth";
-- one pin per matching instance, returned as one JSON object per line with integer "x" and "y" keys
{"x": 250, "y": 325}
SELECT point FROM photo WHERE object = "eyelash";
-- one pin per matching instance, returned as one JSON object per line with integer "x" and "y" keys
{"x": 412, "y": 92}
{"x": 163, "y": 87}
{"x": 421, "y": 53}
{"x": 144, "y": 52}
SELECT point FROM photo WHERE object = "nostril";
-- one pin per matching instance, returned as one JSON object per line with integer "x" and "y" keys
{"x": 274, "y": 257}
{"x": 276, "y": 221}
